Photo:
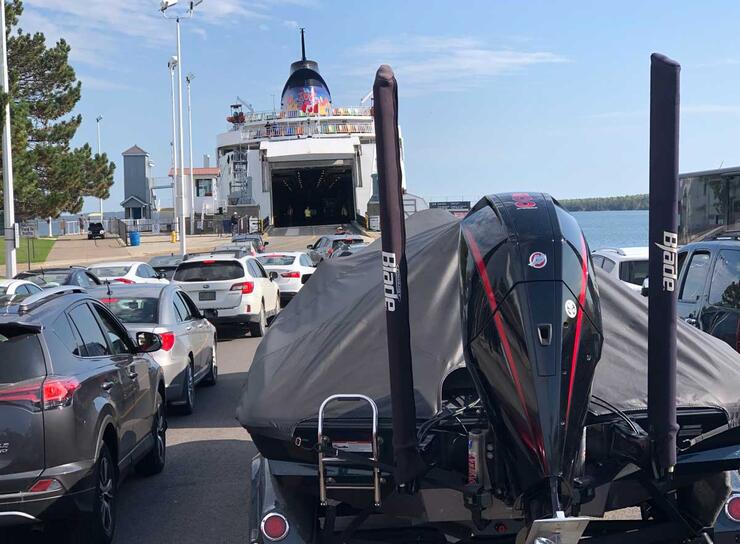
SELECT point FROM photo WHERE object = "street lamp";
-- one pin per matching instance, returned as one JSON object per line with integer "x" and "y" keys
{"x": 164, "y": 6}
{"x": 176, "y": 185}
{"x": 191, "y": 187}
{"x": 97, "y": 121}
{"x": 9, "y": 215}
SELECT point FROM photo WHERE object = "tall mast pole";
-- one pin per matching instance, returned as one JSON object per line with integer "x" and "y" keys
{"x": 181, "y": 179}
{"x": 191, "y": 186}
{"x": 9, "y": 202}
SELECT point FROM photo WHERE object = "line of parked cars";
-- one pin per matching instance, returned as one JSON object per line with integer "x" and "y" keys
{"x": 708, "y": 282}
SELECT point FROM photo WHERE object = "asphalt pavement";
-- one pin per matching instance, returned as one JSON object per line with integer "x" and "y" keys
{"x": 203, "y": 493}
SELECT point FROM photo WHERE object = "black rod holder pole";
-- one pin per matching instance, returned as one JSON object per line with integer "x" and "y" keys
{"x": 395, "y": 284}
{"x": 663, "y": 233}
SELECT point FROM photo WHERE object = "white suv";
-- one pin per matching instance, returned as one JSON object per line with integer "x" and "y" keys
{"x": 231, "y": 291}
{"x": 629, "y": 264}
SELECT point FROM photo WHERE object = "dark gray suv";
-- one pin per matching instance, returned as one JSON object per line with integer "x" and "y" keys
{"x": 80, "y": 404}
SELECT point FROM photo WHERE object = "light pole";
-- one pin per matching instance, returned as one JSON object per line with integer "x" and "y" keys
{"x": 97, "y": 121}
{"x": 176, "y": 185}
{"x": 191, "y": 188}
{"x": 10, "y": 241}
{"x": 164, "y": 6}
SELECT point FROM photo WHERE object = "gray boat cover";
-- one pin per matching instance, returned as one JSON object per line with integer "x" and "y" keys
{"x": 331, "y": 339}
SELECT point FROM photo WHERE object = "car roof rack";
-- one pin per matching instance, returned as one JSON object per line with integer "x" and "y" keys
{"x": 52, "y": 292}
{"x": 617, "y": 250}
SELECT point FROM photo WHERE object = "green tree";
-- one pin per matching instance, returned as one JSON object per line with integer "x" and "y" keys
{"x": 50, "y": 175}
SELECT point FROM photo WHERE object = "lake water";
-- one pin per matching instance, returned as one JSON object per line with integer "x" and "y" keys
{"x": 614, "y": 228}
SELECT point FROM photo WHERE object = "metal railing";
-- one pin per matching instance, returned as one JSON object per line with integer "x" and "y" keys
{"x": 333, "y": 112}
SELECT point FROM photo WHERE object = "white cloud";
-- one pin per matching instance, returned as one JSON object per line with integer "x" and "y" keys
{"x": 291, "y": 24}
{"x": 263, "y": 27}
{"x": 98, "y": 29}
{"x": 455, "y": 63}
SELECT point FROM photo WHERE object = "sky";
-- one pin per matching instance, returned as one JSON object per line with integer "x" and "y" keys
{"x": 494, "y": 95}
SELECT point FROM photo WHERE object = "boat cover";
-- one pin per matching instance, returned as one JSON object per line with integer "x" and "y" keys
{"x": 332, "y": 339}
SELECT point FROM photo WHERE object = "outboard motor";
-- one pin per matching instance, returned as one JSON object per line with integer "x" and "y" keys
{"x": 532, "y": 338}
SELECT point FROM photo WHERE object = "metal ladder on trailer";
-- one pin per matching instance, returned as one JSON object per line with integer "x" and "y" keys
{"x": 326, "y": 446}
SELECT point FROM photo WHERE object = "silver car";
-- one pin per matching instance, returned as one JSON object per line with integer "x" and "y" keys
{"x": 188, "y": 354}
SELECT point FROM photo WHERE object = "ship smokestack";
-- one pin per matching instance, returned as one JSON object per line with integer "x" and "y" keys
{"x": 303, "y": 44}
{"x": 393, "y": 233}
{"x": 664, "y": 119}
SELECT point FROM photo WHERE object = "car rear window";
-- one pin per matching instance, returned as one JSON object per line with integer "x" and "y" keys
{"x": 348, "y": 241}
{"x": 209, "y": 271}
{"x": 133, "y": 310}
{"x": 109, "y": 271}
{"x": 276, "y": 260}
{"x": 21, "y": 356}
{"x": 56, "y": 277}
{"x": 634, "y": 271}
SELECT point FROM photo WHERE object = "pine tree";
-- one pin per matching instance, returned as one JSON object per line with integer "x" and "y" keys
{"x": 50, "y": 176}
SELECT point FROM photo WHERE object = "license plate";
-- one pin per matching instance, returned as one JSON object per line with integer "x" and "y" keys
{"x": 207, "y": 295}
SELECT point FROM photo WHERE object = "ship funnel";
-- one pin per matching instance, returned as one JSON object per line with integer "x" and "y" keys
{"x": 393, "y": 233}
{"x": 663, "y": 231}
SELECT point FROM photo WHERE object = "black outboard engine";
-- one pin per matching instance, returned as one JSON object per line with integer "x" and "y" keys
{"x": 532, "y": 338}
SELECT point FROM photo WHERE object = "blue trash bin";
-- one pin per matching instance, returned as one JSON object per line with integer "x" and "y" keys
{"x": 135, "y": 238}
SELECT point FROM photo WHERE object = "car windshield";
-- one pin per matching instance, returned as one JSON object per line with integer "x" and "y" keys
{"x": 209, "y": 271}
{"x": 21, "y": 357}
{"x": 133, "y": 310}
{"x": 165, "y": 260}
{"x": 346, "y": 241}
{"x": 109, "y": 271}
{"x": 276, "y": 260}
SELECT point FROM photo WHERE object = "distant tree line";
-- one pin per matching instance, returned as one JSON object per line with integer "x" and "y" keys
{"x": 603, "y": 203}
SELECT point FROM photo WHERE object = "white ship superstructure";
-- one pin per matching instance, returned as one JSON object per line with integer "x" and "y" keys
{"x": 310, "y": 163}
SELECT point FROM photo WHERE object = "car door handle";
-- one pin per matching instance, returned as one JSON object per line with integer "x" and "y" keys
{"x": 132, "y": 372}
{"x": 188, "y": 328}
{"x": 691, "y": 321}
{"x": 107, "y": 386}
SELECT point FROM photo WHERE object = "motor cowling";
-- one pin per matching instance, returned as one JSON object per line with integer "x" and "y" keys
{"x": 531, "y": 334}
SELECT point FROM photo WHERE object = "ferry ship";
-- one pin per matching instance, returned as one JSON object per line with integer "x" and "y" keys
{"x": 310, "y": 163}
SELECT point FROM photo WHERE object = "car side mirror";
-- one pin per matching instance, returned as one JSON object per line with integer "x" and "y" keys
{"x": 309, "y": 246}
{"x": 273, "y": 276}
{"x": 645, "y": 287}
{"x": 265, "y": 243}
{"x": 148, "y": 342}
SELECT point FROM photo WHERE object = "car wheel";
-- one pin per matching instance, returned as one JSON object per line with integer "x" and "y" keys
{"x": 99, "y": 526}
{"x": 258, "y": 329}
{"x": 153, "y": 462}
{"x": 188, "y": 391}
{"x": 212, "y": 376}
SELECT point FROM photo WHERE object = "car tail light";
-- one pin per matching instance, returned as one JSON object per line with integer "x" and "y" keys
{"x": 291, "y": 274}
{"x": 26, "y": 394}
{"x": 168, "y": 340}
{"x": 108, "y": 300}
{"x": 245, "y": 287}
{"x": 732, "y": 508}
{"x": 274, "y": 527}
{"x": 58, "y": 392}
{"x": 209, "y": 261}
{"x": 47, "y": 485}
{"x": 124, "y": 280}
